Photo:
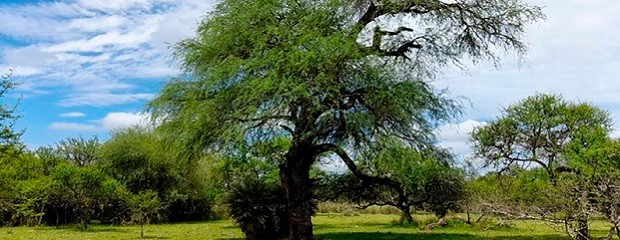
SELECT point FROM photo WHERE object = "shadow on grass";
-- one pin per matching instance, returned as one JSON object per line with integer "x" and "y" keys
{"x": 325, "y": 226}
{"x": 426, "y": 236}
{"x": 419, "y": 236}
{"x": 231, "y": 227}
{"x": 88, "y": 230}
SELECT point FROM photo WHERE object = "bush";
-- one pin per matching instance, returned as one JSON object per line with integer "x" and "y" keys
{"x": 185, "y": 207}
{"x": 142, "y": 161}
{"x": 259, "y": 209}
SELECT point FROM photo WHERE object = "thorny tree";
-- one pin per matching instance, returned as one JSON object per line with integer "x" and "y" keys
{"x": 330, "y": 75}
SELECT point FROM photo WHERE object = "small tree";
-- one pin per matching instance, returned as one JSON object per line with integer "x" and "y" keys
{"x": 145, "y": 207}
{"x": 32, "y": 197}
{"x": 79, "y": 188}
{"x": 565, "y": 139}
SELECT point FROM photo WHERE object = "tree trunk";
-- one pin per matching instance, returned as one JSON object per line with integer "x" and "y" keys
{"x": 582, "y": 217}
{"x": 407, "y": 218}
{"x": 295, "y": 177}
{"x": 582, "y": 232}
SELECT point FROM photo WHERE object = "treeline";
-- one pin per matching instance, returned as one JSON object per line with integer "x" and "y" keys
{"x": 81, "y": 180}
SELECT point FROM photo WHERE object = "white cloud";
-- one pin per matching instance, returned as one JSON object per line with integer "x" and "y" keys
{"x": 456, "y": 136}
{"x": 113, "y": 5}
{"x": 22, "y": 71}
{"x": 78, "y": 127}
{"x": 97, "y": 23}
{"x": 28, "y": 56}
{"x": 116, "y": 120}
{"x": 111, "y": 121}
{"x": 73, "y": 114}
{"x": 103, "y": 99}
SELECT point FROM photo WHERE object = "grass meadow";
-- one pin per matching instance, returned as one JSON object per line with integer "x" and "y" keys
{"x": 327, "y": 226}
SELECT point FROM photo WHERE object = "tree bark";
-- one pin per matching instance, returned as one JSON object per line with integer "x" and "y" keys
{"x": 295, "y": 177}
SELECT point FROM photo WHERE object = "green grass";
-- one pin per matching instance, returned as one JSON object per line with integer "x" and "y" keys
{"x": 327, "y": 226}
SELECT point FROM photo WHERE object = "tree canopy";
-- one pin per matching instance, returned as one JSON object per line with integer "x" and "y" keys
{"x": 541, "y": 130}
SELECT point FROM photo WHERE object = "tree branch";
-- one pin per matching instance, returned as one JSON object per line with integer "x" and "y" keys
{"x": 355, "y": 170}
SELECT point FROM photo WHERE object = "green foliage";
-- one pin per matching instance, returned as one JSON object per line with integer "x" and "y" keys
{"x": 9, "y": 137}
{"x": 142, "y": 160}
{"x": 31, "y": 200}
{"x": 256, "y": 63}
{"x": 522, "y": 188}
{"x": 542, "y": 130}
{"x": 83, "y": 189}
{"x": 423, "y": 179}
{"x": 138, "y": 159}
{"x": 49, "y": 157}
{"x": 22, "y": 189}
{"x": 78, "y": 151}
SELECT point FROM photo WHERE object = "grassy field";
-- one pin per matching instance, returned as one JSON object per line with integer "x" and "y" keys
{"x": 334, "y": 226}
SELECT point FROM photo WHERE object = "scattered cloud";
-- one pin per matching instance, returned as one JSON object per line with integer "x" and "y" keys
{"x": 100, "y": 99}
{"x": 73, "y": 114}
{"x": 96, "y": 43}
{"x": 76, "y": 127}
{"x": 111, "y": 121}
{"x": 456, "y": 136}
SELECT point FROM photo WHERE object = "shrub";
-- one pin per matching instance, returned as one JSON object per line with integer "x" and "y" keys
{"x": 259, "y": 209}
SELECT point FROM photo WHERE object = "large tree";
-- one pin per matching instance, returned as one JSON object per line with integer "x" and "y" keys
{"x": 332, "y": 76}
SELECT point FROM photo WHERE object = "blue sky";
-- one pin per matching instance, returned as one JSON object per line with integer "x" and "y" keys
{"x": 89, "y": 66}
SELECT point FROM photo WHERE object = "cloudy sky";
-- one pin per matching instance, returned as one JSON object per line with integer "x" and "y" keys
{"x": 89, "y": 66}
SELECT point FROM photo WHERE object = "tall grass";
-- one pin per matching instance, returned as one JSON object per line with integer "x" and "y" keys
{"x": 348, "y": 208}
